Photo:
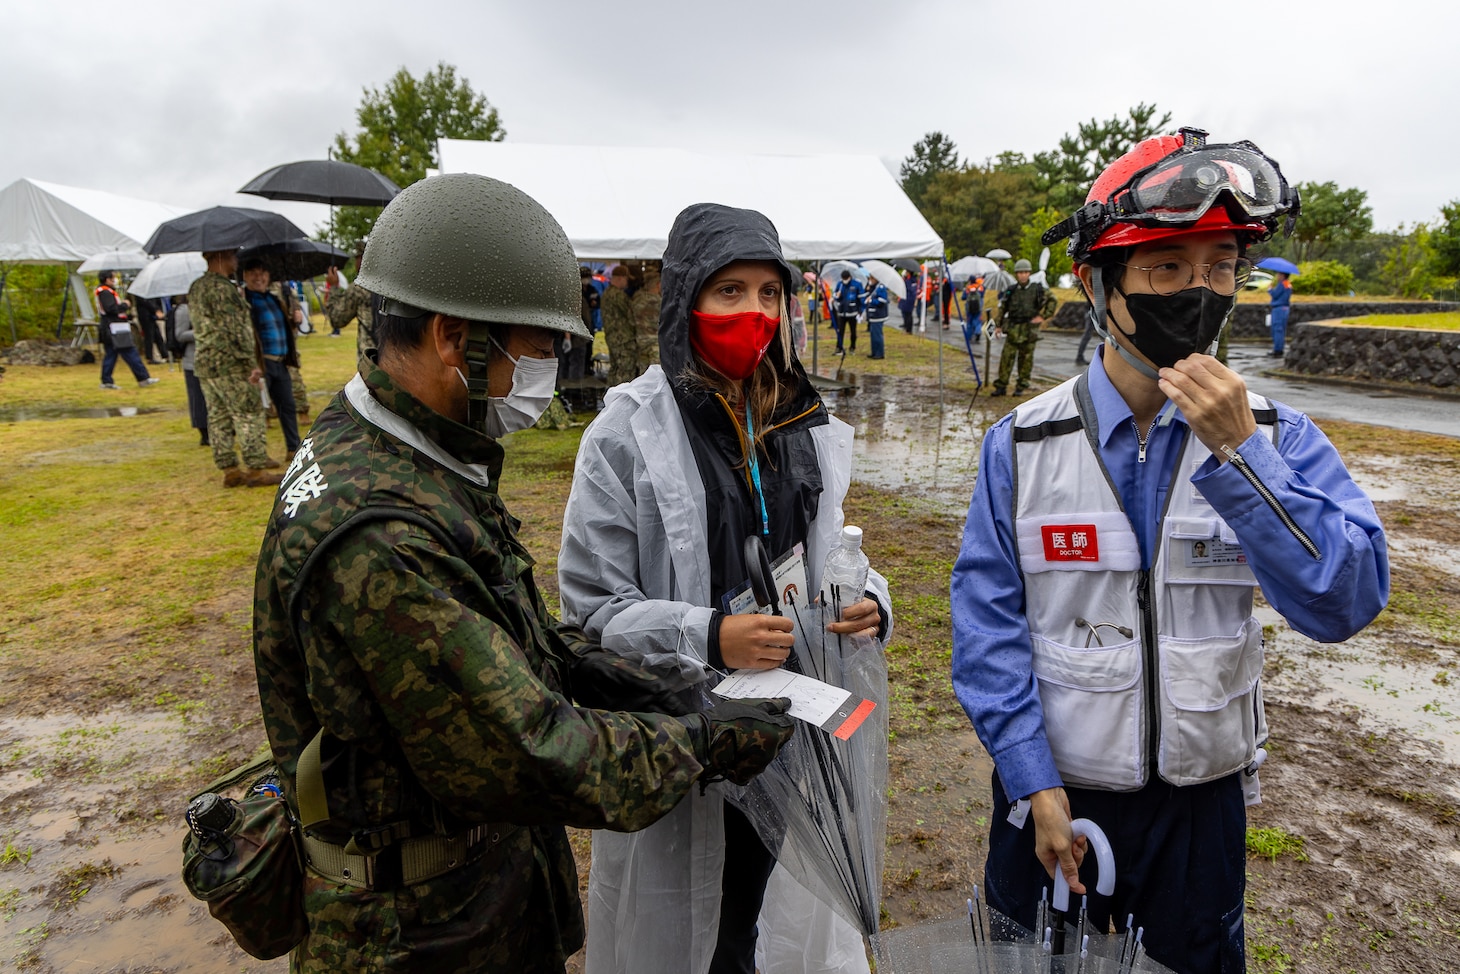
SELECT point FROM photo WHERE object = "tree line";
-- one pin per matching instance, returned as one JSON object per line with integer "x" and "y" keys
{"x": 1011, "y": 199}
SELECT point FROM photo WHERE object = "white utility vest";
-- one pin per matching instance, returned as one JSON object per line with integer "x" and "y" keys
{"x": 1136, "y": 670}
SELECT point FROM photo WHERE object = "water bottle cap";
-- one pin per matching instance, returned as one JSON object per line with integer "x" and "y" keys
{"x": 852, "y": 536}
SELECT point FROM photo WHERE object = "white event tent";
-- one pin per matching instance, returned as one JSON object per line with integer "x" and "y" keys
{"x": 46, "y": 223}
{"x": 619, "y": 202}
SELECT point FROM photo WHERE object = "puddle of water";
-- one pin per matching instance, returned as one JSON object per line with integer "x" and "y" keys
{"x": 73, "y": 795}
{"x": 906, "y": 442}
{"x": 25, "y": 414}
{"x": 1359, "y": 674}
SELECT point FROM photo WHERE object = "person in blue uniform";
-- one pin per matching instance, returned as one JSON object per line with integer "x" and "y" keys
{"x": 1280, "y": 297}
{"x": 849, "y": 299}
{"x": 1110, "y": 666}
{"x": 877, "y": 302}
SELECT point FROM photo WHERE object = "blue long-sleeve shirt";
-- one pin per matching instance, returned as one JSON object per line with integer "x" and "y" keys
{"x": 877, "y": 301}
{"x": 1328, "y": 599}
{"x": 1280, "y": 295}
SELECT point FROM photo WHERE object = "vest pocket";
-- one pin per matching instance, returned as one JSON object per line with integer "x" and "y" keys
{"x": 1210, "y": 703}
{"x": 1091, "y": 700}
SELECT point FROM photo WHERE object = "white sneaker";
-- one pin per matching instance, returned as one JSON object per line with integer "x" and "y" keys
{"x": 110, "y": 385}
{"x": 149, "y": 381}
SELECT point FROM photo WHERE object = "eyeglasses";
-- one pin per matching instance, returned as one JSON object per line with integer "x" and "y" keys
{"x": 1173, "y": 274}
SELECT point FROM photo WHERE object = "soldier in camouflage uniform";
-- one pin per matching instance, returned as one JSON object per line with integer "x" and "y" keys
{"x": 619, "y": 329}
{"x": 646, "y": 322}
{"x": 1022, "y": 309}
{"x": 226, "y": 363}
{"x": 352, "y": 302}
{"x": 396, "y": 611}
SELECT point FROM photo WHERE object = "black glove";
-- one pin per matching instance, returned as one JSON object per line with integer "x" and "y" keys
{"x": 740, "y": 737}
{"x": 604, "y": 680}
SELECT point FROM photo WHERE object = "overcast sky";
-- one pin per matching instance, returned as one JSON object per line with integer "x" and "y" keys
{"x": 184, "y": 102}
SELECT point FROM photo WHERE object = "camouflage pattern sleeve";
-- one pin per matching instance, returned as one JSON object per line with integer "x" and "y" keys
{"x": 392, "y": 645}
{"x": 1046, "y": 311}
{"x": 223, "y": 328}
{"x": 342, "y": 306}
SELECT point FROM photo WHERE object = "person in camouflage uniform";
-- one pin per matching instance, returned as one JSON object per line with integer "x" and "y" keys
{"x": 226, "y": 363}
{"x": 646, "y": 321}
{"x": 341, "y": 305}
{"x": 1023, "y": 308}
{"x": 619, "y": 328}
{"x": 395, "y": 609}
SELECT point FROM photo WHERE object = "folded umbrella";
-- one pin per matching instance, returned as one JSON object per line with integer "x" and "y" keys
{"x": 221, "y": 228}
{"x": 323, "y": 181}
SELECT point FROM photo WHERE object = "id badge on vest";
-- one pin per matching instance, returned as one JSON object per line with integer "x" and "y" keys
{"x": 792, "y": 588}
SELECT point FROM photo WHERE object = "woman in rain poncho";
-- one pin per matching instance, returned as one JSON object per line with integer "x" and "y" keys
{"x": 725, "y": 439}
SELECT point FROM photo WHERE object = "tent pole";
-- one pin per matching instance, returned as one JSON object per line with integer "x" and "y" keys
{"x": 65, "y": 299}
{"x": 9, "y": 308}
{"x": 815, "y": 317}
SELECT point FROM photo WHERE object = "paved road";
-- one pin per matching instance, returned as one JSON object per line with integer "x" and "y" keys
{"x": 1054, "y": 361}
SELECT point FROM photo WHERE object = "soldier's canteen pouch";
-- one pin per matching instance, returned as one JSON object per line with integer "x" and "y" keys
{"x": 250, "y": 872}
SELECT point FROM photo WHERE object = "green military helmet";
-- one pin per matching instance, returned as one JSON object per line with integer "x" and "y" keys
{"x": 1022, "y": 265}
{"x": 477, "y": 248}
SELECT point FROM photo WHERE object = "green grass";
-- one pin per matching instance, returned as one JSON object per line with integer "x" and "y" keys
{"x": 1433, "y": 321}
{"x": 1272, "y": 843}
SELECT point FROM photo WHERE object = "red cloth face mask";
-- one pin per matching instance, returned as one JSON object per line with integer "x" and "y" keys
{"x": 732, "y": 345}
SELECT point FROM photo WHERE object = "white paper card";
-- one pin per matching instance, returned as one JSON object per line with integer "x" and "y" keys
{"x": 811, "y": 700}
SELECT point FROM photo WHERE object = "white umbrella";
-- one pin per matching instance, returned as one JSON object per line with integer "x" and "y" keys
{"x": 966, "y": 267}
{"x": 168, "y": 275}
{"x": 831, "y": 271}
{"x": 115, "y": 260}
{"x": 886, "y": 275}
{"x": 998, "y": 253}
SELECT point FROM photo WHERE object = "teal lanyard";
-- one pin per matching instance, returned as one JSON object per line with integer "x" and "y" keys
{"x": 765, "y": 520}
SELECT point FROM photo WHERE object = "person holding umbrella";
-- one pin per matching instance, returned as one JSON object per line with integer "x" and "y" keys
{"x": 226, "y": 363}
{"x": 725, "y": 439}
{"x": 878, "y": 301}
{"x": 1280, "y": 298}
{"x": 274, "y": 323}
{"x": 116, "y": 333}
{"x": 1112, "y": 673}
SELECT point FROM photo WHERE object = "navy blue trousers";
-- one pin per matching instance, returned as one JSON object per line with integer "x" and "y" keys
{"x": 1180, "y": 868}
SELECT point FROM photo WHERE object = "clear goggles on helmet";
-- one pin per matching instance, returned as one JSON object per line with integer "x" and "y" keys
{"x": 1182, "y": 187}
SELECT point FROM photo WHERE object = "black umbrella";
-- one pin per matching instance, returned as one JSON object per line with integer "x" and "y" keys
{"x": 323, "y": 181}
{"x": 221, "y": 228}
{"x": 297, "y": 260}
{"x": 907, "y": 264}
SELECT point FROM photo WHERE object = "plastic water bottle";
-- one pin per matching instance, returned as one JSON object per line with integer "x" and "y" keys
{"x": 844, "y": 582}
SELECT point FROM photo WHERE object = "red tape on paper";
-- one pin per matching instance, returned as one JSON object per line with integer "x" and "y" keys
{"x": 849, "y": 726}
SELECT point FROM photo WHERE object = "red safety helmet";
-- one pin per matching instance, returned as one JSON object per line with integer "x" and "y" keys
{"x": 1169, "y": 185}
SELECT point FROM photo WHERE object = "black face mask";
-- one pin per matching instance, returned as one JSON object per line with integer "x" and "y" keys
{"x": 1169, "y": 327}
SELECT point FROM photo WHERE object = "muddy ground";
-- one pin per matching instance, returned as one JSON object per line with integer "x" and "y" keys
{"x": 1360, "y": 796}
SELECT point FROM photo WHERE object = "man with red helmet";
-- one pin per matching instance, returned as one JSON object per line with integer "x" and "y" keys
{"x": 1110, "y": 665}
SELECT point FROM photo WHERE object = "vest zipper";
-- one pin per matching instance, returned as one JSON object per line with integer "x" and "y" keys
{"x": 1150, "y": 645}
{"x": 1141, "y": 441}
{"x": 1272, "y": 501}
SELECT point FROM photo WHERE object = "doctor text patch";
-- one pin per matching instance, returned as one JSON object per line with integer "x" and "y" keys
{"x": 1070, "y": 542}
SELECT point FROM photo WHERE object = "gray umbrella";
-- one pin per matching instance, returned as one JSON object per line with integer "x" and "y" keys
{"x": 323, "y": 181}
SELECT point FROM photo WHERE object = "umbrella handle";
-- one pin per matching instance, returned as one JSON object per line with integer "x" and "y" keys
{"x": 1104, "y": 858}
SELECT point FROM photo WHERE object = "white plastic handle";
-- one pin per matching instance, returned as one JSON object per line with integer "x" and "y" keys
{"x": 1104, "y": 858}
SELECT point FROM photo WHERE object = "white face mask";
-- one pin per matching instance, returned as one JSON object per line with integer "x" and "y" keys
{"x": 533, "y": 383}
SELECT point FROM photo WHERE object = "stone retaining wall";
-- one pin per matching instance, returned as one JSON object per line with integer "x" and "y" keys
{"x": 36, "y": 351}
{"x": 1386, "y": 355}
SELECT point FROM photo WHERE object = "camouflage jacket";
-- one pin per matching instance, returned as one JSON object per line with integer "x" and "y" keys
{"x": 357, "y": 303}
{"x": 222, "y": 328}
{"x": 395, "y": 607}
{"x": 1025, "y": 301}
{"x": 618, "y": 331}
{"x": 646, "y": 328}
